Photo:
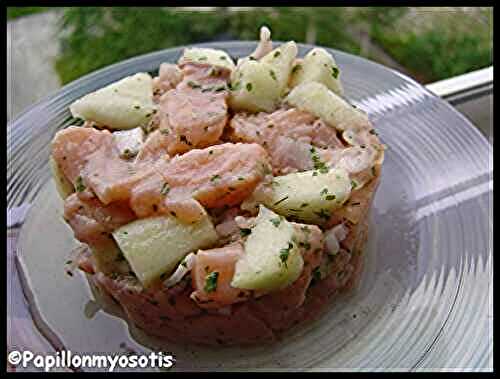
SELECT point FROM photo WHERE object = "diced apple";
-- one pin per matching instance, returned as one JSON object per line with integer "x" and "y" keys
{"x": 154, "y": 246}
{"x": 272, "y": 258}
{"x": 309, "y": 196}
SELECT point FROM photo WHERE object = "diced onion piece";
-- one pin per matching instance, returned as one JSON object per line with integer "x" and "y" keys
{"x": 340, "y": 231}
{"x": 332, "y": 243}
{"x": 184, "y": 267}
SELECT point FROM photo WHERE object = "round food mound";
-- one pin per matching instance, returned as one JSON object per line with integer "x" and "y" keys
{"x": 221, "y": 202}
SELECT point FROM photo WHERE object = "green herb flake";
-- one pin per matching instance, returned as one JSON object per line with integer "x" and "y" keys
{"x": 211, "y": 281}
{"x": 330, "y": 197}
{"x": 164, "y": 131}
{"x": 215, "y": 177}
{"x": 335, "y": 72}
{"x": 354, "y": 184}
{"x": 165, "y": 189}
{"x": 306, "y": 245}
{"x": 285, "y": 253}
{"x": 276, "y": 221}
{"x": 374, "y": 171}
{"x": 137, "y": 107}
{"x": 193, "y": 85}
{"x": 245, "y": 232}
{"x": 79, "y": 186}
{"x": 249, "y": 87}
{"x": 324, "y": 191}
{"x": 277, "y": 54}
{"x": 273, "y": 75}
{"x": 281, "y": 200}
{"x": 223, "y": 58}
{"x": 202, "y": 58}
{"x": 373, "y": 131}
{"x": 128, "y": 154}
{"x": 323, "y": 214}
{"x": 296, "y": 68}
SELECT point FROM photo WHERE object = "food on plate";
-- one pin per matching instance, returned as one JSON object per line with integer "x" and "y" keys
{"x": 222, "y": 202}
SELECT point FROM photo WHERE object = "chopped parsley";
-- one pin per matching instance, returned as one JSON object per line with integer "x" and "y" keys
{"x": 79, "y": 186}
{"x": 165, "y": 189}
{"x": 273, "y": 75}
{"x": 373, "y": 131}
{"x": 276, "y": 221}
{"x": 234, "y": 87}
{"x": 184, "y": 263}
{"x": 354, "y": 184}
{"x": 211, "y": 281}
{"x": 335, "y": 72}
{"x": 164, "y": 131}
{"x": 285, "y": 253}
{"x": 330, "y": 197}
{"x": 316, "y": 274}
{"x": 270, "y": 126}
{"x": 137, "y": 107}
{"x": 374, "y": 171}
{"x": 249, "y": 87}
{"x": 241, "y": 178}
{"x": 202, "y": 58}
{"x": 281, "y": 200}
{"x": 296, "y": 68}
{"x": 303, "y": 205}
{"x": 277, "y": 54}
{"x": 306, "y": 245}
{"x": 318, "y": 164}
{"x": 215, "y": 177}
{"x": 323, "y": 213}
{"x": 245, "y": 232}
{"x": 128, "y": 154}
{"x": 324, "y": 191}
{"x": 223, "y": 57}
{"x": 193, "y": 85}
{"x": 184, "y": 139}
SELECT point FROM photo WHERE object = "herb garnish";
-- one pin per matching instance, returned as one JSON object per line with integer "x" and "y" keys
{"x": 211, "y": 281}
{"x": 276, "y": 221}
{"x": 273, "y": 75}
{"x": 335, "y": 72}
{"x": 285, "y": 253}
{"x": 193, "y": 84}
{"x": 79, "y": 186}
{"x": 323, "y": 213}
{"x": 245, "y": 232}
{"x": 296, "y": 68}
{"x": 277, "y": 54}
{"x": 249, "y": 87}
{"x": 281, "y": 200}
{"x": 165, "y": 189}
{"x": 215, "y": 177}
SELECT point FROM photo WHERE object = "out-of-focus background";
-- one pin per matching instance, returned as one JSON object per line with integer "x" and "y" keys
{"x": 49, "y": 47}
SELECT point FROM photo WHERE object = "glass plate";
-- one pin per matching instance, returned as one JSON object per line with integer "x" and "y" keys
{"x": 425, "y": 298}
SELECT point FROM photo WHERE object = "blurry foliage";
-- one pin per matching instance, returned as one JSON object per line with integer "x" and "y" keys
{"x": 94, "y": 37}
{"x": 15, "y": 12}
{"x": 450, "y": 42}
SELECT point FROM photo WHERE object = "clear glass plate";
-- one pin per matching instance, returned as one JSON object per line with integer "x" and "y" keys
{"x": 425, "y": 298}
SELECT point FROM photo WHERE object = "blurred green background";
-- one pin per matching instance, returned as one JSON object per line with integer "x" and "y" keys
{"x": 428, "y": 44}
